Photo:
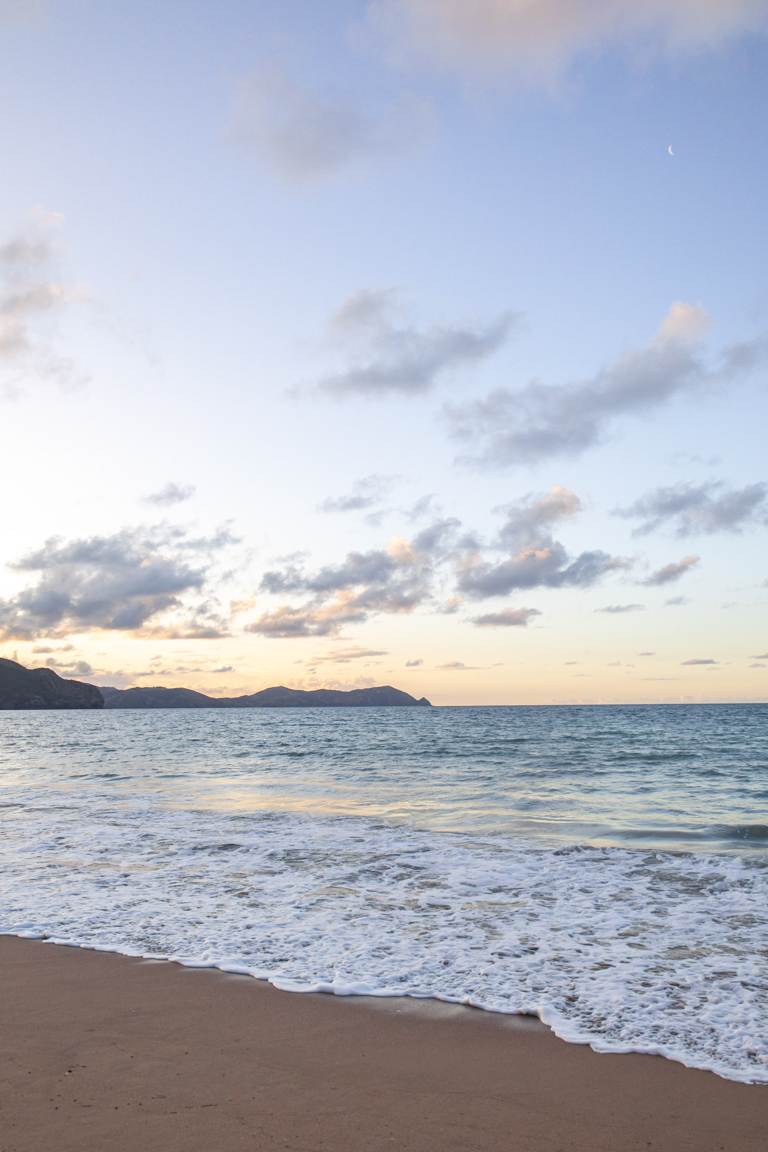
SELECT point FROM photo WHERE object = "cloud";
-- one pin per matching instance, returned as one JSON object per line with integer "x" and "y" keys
{"x": 384, "y": 581}
{"x": 761, "y": 656}
{"x": 537, "y": 566}
{"x": 171, "y": 494}
{"x": 758, "y": 665}
{"x": 541, "y": 421}
{"x": 507, "y": 618}
{"x": 414, "y": 663}
{"x": 671, "y": 572}
{"x": 425, "y": 506}
{"x": 535, "y": 559}
{"x": 287, "y": 623}
{"x": 538, "y": 40}
{"x": 456, "y": 666}
{"x": 526, "y": 519}
{"x": 388, "y": 355}
{"x": 73, "y": 668}
{"x": 676, "y": 602}
{"x": 374, "y": 567}
{"x": 346, "y": 655}
{"x": 621, "y": 609}
{"x": 699, "y": 509}
{"x": 439, "y": 566}
{"x": 124, "y": 582}
{"x": 224, "y": 669}
{"x": 196, "y": 627}
{"x": 366, "y": 493}
{"x": 694, "y": 663}
{"x": 646, "y": 653}
{"x": 364, "y": 584}
{"x": 30, "y": 301}
{"x": 450, "y": 606}
{"x": 308, "y": 134}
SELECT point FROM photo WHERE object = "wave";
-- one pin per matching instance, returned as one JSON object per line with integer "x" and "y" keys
{"x": 623, "y": 949}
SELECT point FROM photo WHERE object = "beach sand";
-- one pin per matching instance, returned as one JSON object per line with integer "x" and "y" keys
{"x": 100, "y": 1052}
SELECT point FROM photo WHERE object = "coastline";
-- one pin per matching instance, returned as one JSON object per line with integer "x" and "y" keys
{"x": 100, "y": 1052}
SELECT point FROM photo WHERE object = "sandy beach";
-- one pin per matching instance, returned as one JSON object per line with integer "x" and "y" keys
{"x": 100, "y": 1053}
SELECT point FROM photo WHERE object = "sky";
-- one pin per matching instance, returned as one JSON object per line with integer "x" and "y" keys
{"x": 414, "y": 342}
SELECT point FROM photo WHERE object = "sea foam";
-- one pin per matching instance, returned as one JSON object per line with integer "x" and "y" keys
{"x": 623, "y": 949}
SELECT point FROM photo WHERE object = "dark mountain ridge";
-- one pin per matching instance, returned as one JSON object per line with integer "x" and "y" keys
{"x": 381, "y": 697}
{"x": 22, "y": 687}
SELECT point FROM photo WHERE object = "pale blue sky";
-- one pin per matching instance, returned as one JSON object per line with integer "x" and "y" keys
{"x": 224, "y": 178}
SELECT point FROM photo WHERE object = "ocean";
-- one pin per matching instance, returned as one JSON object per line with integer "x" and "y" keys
{"x": 605, "y": 868}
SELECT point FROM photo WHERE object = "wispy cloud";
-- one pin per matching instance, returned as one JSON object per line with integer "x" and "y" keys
{"x": 536, "y": 41}
{"x": 31, "y": 299}
{"x": 621, "y": 609}
{"x": 309, "y": 133}
{"x": 699, "y": 509}
{"x": 172, "y": 493}
{"x": 365, "y": 494}
{"x": 526, "y": 519}
{"x": 388, "y": 355}
{"x": 347, "y": 655}
{"x": 72, "y": 668}
{"x": 540, "y": 421}
{"x": 507, "y": 618}
{"x": 694, "y": 663}
{"x": 545, "y": 566}
{"x": 671, "y": 572}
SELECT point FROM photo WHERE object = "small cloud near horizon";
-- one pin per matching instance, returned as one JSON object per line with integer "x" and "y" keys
{"x": 669, "y": 573}
{"x": 366, "y": 493}
{"x": 170, "y": 494}
{"x": 507, "y": 618}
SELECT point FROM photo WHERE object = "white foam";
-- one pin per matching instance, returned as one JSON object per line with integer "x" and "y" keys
{"x": 624, "y": 950}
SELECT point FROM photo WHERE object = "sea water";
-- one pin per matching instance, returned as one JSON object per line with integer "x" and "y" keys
{"x": 603, "y": 868}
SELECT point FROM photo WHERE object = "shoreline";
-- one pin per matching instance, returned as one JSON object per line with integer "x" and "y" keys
{"x": 101, "y": 1052}
{"x": 405, "y": 1002}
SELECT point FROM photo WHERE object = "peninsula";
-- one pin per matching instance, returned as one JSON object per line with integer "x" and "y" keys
{"x": 25, "y": 688}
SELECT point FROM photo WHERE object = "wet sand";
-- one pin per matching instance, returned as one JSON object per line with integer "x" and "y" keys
{"x": 100, "y": 1053}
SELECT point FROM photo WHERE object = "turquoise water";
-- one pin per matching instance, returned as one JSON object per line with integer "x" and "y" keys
{"x": 605, "y": 868}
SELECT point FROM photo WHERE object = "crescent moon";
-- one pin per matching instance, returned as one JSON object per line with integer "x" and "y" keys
{"x": 669, "y": 150}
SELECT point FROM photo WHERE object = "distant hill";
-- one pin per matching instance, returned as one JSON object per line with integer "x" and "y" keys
{"x": 382, "y": 697}
{"x": 22, "y": 687}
